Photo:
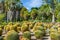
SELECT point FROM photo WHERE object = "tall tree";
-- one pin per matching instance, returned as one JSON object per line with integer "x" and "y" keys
{"x": 14, "y": 6}
{"x": 2, "y": 5}
{"x": 52, "y": 4}
{"x": 26, "y": 15}
{"x": 34, "y": 13}
{"x": 44, "y": 12}
{"x": 22, "y": 13}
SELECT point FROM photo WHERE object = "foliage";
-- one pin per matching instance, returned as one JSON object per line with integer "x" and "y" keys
{"x": 2, "y": 16}
{"x": 33, "y": 13}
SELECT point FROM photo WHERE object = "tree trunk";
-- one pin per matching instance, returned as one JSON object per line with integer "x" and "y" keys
{"x": 17, "y": 15}
{"x": 53, "y": 18}
{"x": 13, "y": 15}
{"x": 42, "y": 18}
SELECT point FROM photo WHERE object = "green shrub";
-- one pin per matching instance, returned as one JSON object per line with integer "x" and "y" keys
{"x": 2, "y": 15}
{"x": 11, "y": 35}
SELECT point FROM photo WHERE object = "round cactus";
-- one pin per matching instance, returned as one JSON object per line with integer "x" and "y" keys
{"x": 38, "y": 28}
{"x": 53, "y": 34}
{"x": 59, "y": 33}
{"x": 18, "y": 29}
{"x": 38, "y": 34}
{"x": 24, "y": 28}
{"x": 27, "y": 35}
{"x": 11, "y": 35}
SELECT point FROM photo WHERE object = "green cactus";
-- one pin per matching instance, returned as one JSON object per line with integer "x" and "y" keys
{"x": 18, "y": 29}
{"x": 11, "y": 35}
{"x": 24, "y": 28}
{"x": 38, "y": 34}
{"x": 27, "y": 35}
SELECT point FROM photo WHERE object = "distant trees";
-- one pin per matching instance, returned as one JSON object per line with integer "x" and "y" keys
{"x": 53, "y": 4}
{"x": 48, "y": 12}
{"x": 44, "y": 12}
{"x": 14, "y": 6}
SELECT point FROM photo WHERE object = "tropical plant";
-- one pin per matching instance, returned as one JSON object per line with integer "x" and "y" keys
{"x": 34, "y": 13}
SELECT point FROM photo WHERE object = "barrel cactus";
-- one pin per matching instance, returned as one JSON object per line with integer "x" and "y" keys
{"x": 11, "y": 35}
{"x": 27, "y": 35}
{"x": 53, "y": 34}
{"x": 59, "y": 33}
{"x": 38, "y": 34}
{"x": 24, "y": 28}
{"x": 18, "y": 29}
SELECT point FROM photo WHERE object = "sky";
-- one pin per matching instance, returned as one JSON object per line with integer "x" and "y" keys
{"x": 31, "y": 3}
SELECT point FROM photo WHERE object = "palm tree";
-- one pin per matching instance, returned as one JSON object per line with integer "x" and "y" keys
{"x": 26, "y": 15}
{"x": 12, "y": 5}
{"x": 19, "y": 6}
{"x": 34, "y": 13}
{"x": 2, "y": 3}
{"x": 52, "y": 4}
{"x": 57, "y": 12}
{"x": 44, "y": 12}
{"x": 22, "y": 13}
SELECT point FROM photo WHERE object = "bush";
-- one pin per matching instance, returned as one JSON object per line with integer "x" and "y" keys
{"x": 11, "y": 35}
